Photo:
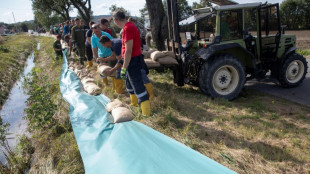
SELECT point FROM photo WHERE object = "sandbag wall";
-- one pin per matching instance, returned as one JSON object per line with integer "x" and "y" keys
{"x": 87, "y": 78}
{"x": 154, "y": 58}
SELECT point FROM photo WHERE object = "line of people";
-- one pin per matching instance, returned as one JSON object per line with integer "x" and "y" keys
{"x": 123, "y": 55}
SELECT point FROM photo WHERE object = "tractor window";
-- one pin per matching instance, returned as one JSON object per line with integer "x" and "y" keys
{"x": 269, "y": 21}
{"x": 231, "y": 25}
{"x": 250, "y": 21}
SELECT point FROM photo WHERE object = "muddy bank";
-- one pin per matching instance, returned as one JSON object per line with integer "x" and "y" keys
{"x": 13, "y": 55}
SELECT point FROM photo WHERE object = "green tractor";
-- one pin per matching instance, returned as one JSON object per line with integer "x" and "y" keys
{"x": 231, "y": 44}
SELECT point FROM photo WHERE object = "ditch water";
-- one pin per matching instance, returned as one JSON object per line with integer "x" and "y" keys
{"x": 13, "y": 109}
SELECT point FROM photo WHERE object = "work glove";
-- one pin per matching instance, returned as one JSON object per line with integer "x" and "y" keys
{"x": 123, "y": 73}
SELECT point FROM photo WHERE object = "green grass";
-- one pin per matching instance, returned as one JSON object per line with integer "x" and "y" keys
{"x": 304, "y": 52}
{"x": 13, "y": 54}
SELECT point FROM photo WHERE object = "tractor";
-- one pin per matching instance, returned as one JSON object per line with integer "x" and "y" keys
{"x": 233, "y": 43}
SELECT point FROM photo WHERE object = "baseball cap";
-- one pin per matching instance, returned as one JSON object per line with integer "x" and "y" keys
{"x": 58, "y": 36}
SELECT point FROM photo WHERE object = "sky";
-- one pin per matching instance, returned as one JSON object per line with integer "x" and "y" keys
{"x": 22, "y": 9}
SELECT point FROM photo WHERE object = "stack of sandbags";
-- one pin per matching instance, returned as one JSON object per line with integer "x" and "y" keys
{"x": 119, "y": 112}
{"x": 86, "y": 77}
{"x": 147, "y": 54}
{"x": 151, "y": 63}
{"x": 164, "y": 57}
{"x": 103, "y": 68}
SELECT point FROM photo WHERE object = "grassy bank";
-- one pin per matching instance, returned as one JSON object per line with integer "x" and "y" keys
{"x": 255, "y": 133}
{"x": 13, "y": 55}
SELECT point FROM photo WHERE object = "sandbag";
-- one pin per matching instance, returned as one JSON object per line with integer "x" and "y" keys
{"x": 156, "y": 55}
{"x": 121, "y": 114}
{"x": 145, "y": 54}
{"x": 114, "y": 104}
{"x": 92, "y": 89}
{"x": 151, "y": 64}
{"x": 87, "y": 80}
{"x": 168, "y": 61}
{"x": 149, "y": 52}
{"x": 103, "y": 68}
{"x": 169, "y": 53}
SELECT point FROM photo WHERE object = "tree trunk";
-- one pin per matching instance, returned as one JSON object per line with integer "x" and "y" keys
{"x": 158, "y": 22}
{"x": 82, "y": 8}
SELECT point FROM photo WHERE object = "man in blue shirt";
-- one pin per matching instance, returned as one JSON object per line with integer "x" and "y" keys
{"x": 99, "y": 51}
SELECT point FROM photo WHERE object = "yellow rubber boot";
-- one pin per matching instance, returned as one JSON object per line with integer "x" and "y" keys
{"x": 90, "y": 64}
{"x": 105, "y": 81}
{"x": 133, "y": 100}
{"x": 149, "y": 89}
{"x": 146, "y": 108}
{"x": 113, "y": 83}
{"x": 118, "y": 86}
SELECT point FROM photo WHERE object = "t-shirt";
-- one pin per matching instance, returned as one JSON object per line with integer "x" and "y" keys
{"x": 102, "y": 51}
{"x": 131, "y": 32}
{"x": 66, "y": 30}
{"x": 117, "y": 46}
{"x": 57, "y": 45}
{"x": 89, "y": 33}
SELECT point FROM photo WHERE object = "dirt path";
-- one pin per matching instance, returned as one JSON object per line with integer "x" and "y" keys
{"x": 300, "y": 94}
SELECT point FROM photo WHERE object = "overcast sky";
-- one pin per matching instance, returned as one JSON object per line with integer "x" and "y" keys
{"x": 22, "y": 9}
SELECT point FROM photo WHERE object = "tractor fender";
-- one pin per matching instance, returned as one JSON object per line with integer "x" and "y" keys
{"x": 289, "y": 51}
{"x": 206, "y": 53}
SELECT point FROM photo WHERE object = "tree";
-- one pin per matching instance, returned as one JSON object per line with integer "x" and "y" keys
{"x": 184, "y": 10}
{"x": 24, "y": 27}
{"x": 114, "y": 8}
{"x": 159, "y": 24}
{"x": 84, "y": 9}
{"x": 202, "y": 4}
{"x": 295, "y": 14}
{"x": 60, "y": 7}
{"x": 143, "y": 12}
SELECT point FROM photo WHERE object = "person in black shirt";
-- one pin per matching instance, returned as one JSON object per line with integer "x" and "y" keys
{"x": 57, "y": 47}
{"x": 88, "y": 49}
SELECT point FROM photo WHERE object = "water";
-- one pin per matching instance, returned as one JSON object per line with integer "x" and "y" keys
{"x": 13, "y": 110}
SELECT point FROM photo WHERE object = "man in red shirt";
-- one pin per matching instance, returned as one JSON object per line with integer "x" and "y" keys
{"x": 133, "y": 62}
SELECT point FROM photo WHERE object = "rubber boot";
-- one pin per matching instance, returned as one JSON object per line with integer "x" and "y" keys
{"x": 149, "y": 89}
{"x": 146, "y": 108}
{"x": 105, "y": 81}
{"x": 113, "y": 83}
{"x": 118, "y": 86}
{"x": 81, "y": 61}
{"x": 90, "y": 64}
{"x": 133, "y": 100}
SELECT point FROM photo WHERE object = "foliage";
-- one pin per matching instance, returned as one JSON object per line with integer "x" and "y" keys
{"x": 295, "y": 14}
{"x": 201, "y": 4}
{"x": 24, "y": 27}
{"x": 184, "y": 10}
{"x": 41, "y": 108}
{"x": 115, "y": 7}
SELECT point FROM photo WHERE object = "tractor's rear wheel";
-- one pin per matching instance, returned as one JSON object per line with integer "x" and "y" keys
{"x": 224, "y": 77}
{"x": 293, "y": 71}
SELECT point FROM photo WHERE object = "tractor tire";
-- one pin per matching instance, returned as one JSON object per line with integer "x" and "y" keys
{"x": 293, "y": 71}
{"x": 224, "y": 77}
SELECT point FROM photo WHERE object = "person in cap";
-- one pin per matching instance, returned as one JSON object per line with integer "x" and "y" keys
{"x": 57, "y": 47}
{"x": 133, "y": 62}
{"x": 78, "y": 39}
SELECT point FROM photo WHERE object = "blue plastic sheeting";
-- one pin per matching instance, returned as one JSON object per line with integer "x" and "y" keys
{"x": 125, "y": 148}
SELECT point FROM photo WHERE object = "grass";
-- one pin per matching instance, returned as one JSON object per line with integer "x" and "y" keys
{"x": 256, "y": 133}
{"x": 13, "y": 54}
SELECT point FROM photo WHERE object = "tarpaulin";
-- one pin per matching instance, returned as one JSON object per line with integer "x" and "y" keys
{"x": 125, "y": 148}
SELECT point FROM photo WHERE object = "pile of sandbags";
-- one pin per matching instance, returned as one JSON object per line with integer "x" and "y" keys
{"x": 164, "y": 57}
{"x": 86, "y": 77}
{"x": 147, "y": 54}
{"x": 119, "y": 112}
{"x": 103, "y": 68}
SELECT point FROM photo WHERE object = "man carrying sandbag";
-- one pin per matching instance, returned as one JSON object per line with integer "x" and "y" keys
{"x": 133, "y": 62}
{"x": 99, "y": 51}
{"x": 116, "y": 46}
{"x": 78, "y": 39}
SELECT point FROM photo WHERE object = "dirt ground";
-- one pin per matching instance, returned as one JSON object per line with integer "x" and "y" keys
{"x": 303, "y": 38}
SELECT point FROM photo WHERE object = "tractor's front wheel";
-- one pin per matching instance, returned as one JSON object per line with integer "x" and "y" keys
{"x": 224, "y": 77}
{"x": 293, "y": 71}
